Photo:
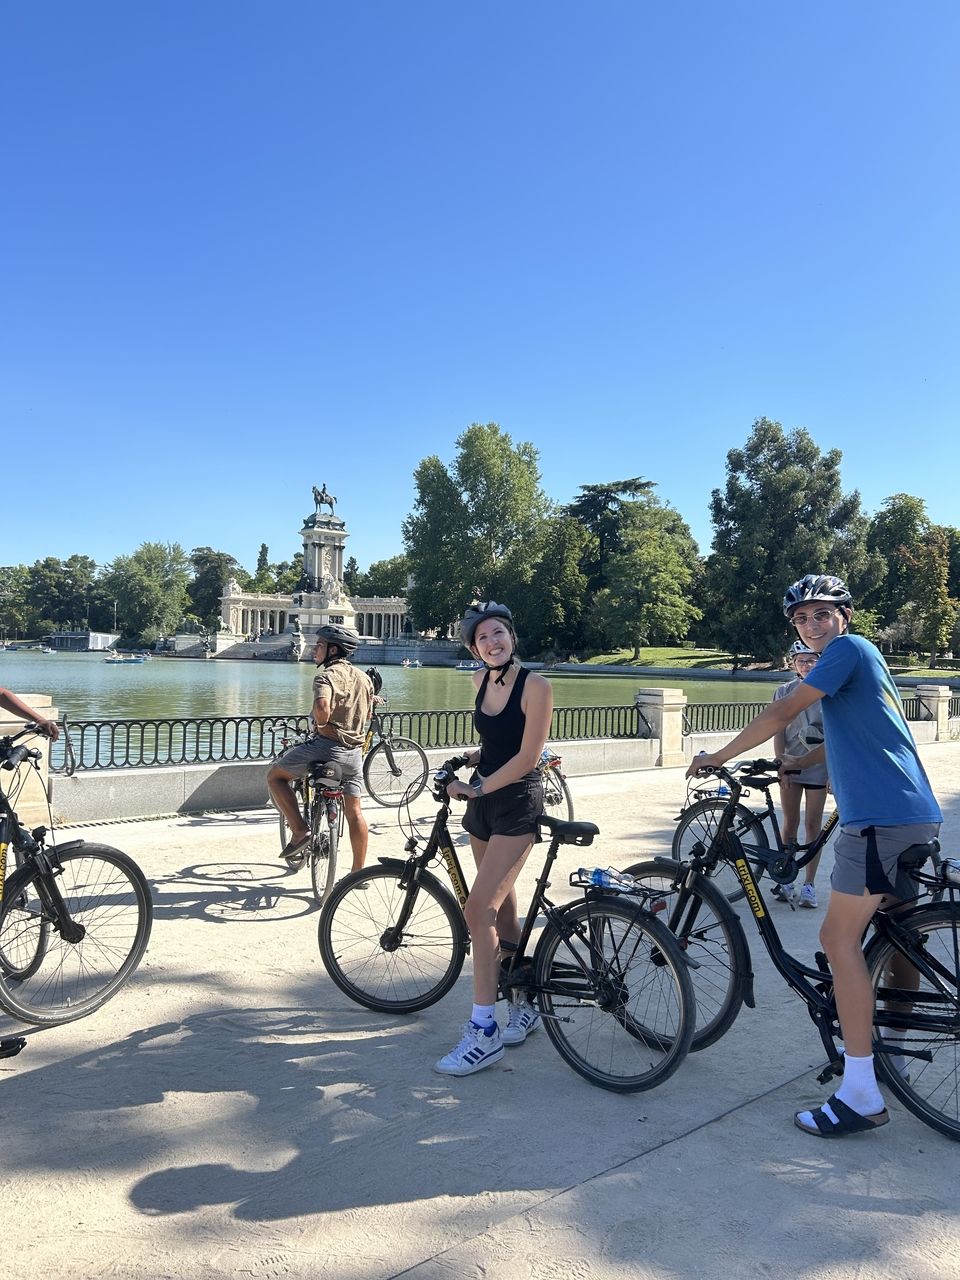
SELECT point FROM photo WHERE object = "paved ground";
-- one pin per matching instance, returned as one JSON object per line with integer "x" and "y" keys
{"x": 230, "y": 1113}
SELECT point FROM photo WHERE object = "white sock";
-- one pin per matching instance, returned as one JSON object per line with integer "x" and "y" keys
{"x": 859, "y": 1086}
{"x": 483, "y": 1015}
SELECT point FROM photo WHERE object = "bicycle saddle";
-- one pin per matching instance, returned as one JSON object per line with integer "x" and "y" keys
{"x": 917, "y": 854}
{"x": 580, "y": 833}
{"x": 326, "y": 771}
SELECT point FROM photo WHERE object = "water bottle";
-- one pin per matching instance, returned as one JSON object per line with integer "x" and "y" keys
{"x": 609, "y": 879}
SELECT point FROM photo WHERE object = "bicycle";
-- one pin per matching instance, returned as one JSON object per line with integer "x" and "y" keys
{"x": 607, "y": 978}
{"x": 75, "y": 919}
{"x": 922, "y": 938}
{"x": 556, "y": 793}
{"x": 395, "y": 769}
{"x": 319, "y": 797}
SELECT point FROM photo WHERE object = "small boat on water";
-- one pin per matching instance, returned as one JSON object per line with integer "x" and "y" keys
{"x": 464, "y": 665}
{"x": 124, "y": 659}
{"x": 411, "y": 662}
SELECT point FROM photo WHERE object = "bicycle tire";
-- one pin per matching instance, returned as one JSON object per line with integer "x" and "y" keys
{"x": 556, "y": 793}
{"x": 104, "y": 891}
{"x": 324, "y": 841}
{"x": 27, "y": 937}
{"x": 425, "y": 962}
{"x": 710, "y": 933}
{"x": 403, "y": 782}
{"x": 698, "y": 824}
{"x": 931, "y": 1090}
{"x": 607, "y": 1025}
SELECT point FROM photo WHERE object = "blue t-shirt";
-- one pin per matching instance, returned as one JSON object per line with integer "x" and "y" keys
{"x": 871, "y": 756}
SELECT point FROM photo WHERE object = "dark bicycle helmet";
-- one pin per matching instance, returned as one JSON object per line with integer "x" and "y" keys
{"x": 816, "y": 587}
{"x": 477, "y": 613}
{"x": 345, "y": 637}
{"x": 376, "y": 679}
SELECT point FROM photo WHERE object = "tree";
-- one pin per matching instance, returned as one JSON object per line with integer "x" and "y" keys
{"x": 929, "y": 572}
{"x": 549, "y": 612}
{"x": 647, "y": 599}
{"x": 60, "y": 591}
{"x": 264, "y": 579}
{"x": 14, "y": 600}
{"x": 781, "y": 514}
{"x": 150, "y": 588}
{"x": 601, "y": 509}
{"x": 287, "y": 574}
{"x": 211, "y": 572}
{"x": 476, "y": 526}
{"x": 385, "y": 578}
{"x": 896, "y": 533}
{"x": 351, "y": 576}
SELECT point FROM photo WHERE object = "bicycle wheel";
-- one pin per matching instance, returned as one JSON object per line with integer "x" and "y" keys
{"x": 930, "y": 1089}
{"x": 698, "y": 824}
{"x": 616, "y": 993}
{"x": 24, "y": 943}
{"x": 324, "y": 839}
{"x": 376, "y": 961}
{"x": 395, "y": 771}
{"x": 709, "y": 933}
{"x": 556, "y": 794}
{"x": 107, "y": 896}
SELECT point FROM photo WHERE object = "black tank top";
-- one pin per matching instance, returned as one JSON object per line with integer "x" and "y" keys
{"x": 502, "y": 734}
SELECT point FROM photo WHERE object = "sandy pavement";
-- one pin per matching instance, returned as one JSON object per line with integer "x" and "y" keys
{"x": 230, "y": 1113}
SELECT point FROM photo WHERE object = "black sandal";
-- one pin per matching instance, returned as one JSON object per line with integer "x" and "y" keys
{"x": 848, "y": 1121}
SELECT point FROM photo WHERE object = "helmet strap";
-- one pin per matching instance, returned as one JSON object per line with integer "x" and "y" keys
{"x": 502, "y": 669}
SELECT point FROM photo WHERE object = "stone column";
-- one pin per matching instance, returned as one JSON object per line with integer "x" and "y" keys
{"x": 32, "y": 801}
{"x": 664, "y": 709}
{"x": 936, "y": 703}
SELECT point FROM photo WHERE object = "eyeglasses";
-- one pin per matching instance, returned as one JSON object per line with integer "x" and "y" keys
{"x": 800, "y": 619}
{"x": 805, "y": 660}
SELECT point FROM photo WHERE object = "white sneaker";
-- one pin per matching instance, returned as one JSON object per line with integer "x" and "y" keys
{"x": 477, "y": 1049}
{"x": 808, "y": 896}
{"x": 523, "y": 1019}
{"x": 785, "y": 892}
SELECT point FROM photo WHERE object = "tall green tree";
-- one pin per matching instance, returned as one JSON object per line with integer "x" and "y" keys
{"x": 60, "y": 591}
{"x": 782, "y": 514}
{"x": 211, "y": 572}
{"x": 650, "y": 577}
{"x": 548, "y": 614}
{"x": 351, "y": 576}
{"x": 896, "y": 534}
{"x": 476, "y": 526}
{"x": 929, "y": 592}
{"x": 265, "y": 577}
{"x": 15, "y": 610}
{"x": 150, "y": 588}
{"x": 602, "y": 509}
{"x": 385, "y": 578}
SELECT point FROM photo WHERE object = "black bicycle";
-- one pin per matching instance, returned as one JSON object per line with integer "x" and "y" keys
{"x": 912, "y": 953}
{"x": 608, "y": 979}
{"x": 75, "y": 918}
{"x": 319, "y": 796}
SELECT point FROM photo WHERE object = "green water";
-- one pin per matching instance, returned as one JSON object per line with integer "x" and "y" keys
{"x": 86, "y": 688}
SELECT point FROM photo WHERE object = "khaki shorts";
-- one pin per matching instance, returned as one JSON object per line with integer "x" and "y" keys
{"x": 297, "y": 761}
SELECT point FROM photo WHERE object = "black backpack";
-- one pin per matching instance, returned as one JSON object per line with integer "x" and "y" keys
{"x": 376, "y": 679}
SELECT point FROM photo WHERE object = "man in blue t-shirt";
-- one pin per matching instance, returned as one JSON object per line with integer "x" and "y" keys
{"x": 886, "y": 805}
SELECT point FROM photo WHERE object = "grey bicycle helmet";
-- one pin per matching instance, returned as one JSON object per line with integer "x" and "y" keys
{"x": 477, "y": 613}
{"x": 799, "y": 647}
{"x": 816, "y": 588}
{"x": 345, "y": 637}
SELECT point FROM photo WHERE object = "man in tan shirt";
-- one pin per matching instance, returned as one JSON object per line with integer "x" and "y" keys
{"x": 342, "y": 702}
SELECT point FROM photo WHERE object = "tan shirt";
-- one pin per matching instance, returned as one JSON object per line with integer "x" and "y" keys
{"x": 350, "y": 694}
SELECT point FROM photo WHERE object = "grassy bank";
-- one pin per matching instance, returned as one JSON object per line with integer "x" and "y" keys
{"x": 693, "y": 660}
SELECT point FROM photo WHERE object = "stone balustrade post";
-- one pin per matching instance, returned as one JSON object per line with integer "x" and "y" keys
{"x": 936, "y": 702}
{"x": 32, "y": 801}
{"x": 664, "y": 709}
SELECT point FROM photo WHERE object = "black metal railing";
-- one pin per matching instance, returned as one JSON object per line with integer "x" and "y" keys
{"x": 147, "y": 743}
{"x": 954, "y": 708}
{"x": 719, "y": 717}
{"x": 914, "y": 709}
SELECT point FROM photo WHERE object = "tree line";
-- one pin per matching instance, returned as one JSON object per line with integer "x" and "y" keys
{"x": 615, "y": 568}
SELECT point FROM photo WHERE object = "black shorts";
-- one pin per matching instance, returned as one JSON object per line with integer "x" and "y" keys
{"x": 512, "y": 811}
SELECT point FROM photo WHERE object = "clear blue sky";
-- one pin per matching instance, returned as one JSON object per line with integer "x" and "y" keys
{"x": 252, "y": 247}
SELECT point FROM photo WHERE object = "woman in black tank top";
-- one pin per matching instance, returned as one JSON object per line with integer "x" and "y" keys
{"x": 504, "y": 802}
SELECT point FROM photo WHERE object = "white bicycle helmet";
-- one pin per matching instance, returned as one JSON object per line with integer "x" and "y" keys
{"x": 815, "y": 588}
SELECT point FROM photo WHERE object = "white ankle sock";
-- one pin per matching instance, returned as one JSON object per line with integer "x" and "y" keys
{"x": 483, "y": 1015}
{"x": 859, "y": 1086}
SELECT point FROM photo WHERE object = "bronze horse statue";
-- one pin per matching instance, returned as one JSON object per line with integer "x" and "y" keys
{"x": 322, "y": 498}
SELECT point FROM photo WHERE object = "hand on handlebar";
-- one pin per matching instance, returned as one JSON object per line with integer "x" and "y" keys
{"x": 703, "y": 763}
{"x": 48, "y": 729}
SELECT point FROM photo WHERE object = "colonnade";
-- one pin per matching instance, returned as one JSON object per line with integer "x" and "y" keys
{"x": 257, "y": 621}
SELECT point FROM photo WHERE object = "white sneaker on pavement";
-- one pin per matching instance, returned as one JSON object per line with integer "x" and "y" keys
{"x": 477, "y": 1049}
{"x": 523, "y": 1019}
{"x": 808, "y": 896}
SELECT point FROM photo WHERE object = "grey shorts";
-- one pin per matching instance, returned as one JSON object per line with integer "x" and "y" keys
{"x": 297, "y": 761}
{"x": 867, "y": 858}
